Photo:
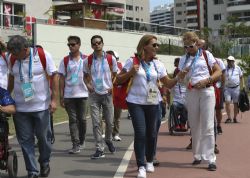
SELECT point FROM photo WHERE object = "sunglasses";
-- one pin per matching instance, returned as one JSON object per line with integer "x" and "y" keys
{"x": 97, "y": 43}
{"x": 155, "y": 45}
{"x": 71, "y": 44}
{"x": 190, "y": 46}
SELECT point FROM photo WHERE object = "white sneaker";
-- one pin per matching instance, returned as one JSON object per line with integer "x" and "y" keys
{"x": 150, "y": 167}
{"x": 141, "y": 172}
{"x": 117, "y": 138}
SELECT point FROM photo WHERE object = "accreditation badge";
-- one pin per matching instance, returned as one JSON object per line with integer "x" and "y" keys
{"x": 152, "y": 96}
{"x": 99, "y": 84}
{"x": 74, "y": 79}
{"x": 27, "y": 90}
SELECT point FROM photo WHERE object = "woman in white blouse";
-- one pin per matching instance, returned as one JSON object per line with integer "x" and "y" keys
{"x": 200, "y": 98}
{"x": 144, "y": 97}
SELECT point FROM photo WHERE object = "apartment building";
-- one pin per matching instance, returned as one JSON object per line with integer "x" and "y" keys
{"x": 137, "y": 10}
{"x": 190, "y": 14}
{"x": 163, "y": 15}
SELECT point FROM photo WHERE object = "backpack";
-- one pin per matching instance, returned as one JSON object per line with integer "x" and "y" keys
{"x": 41, "y": 55}
{"x": 109, "y": 59}
{"x": 217, "y": 91}
{"x": 243, "y": 102}
{"x": 66, "y": 61}
{"x": 120, "y": 92}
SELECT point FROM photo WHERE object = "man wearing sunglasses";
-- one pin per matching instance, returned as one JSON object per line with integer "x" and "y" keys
{"x": 98, "y": 73}
{"x": 74, "y": 93}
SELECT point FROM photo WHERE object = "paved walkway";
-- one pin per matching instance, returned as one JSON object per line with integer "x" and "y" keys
{"x": 233, "y": 161}
{"x": 175, "y": 161}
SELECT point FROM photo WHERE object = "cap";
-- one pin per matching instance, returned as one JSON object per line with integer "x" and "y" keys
{"x": 230, "y": 58}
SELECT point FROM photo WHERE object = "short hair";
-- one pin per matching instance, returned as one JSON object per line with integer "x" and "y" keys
{"x": 176, "y": 59}
{"x": 190, "y": 37}
{"x": 144, "y": 41}
{"x": 96, "y": 36}
{"x": 17, "y": 43}
{"x": 75, "y": 38}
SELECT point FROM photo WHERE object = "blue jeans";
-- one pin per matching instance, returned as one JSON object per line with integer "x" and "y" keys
{"x": 144, "y": 120}
{"x": 28, "y": 125}
{"x": 158, "y": 125}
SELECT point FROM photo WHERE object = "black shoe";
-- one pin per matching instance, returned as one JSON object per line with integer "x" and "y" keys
{"x": 32, "y": 176}
{"x": 216, "y": 150}
{"x": 196, "y": 162}
{"x": 219, "y": 130}
{"x": 235, "y": 120}
{"x": 156, "y": 162}
{"x": 98, "y": 154}
{"x": 212, "y": 167}
{"x": 111, "y": 147}
{"x": 228, "y": 121}
{"x": 44, "y": 171}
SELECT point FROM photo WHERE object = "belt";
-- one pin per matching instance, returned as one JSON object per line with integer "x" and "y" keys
{"x": 207, "y": 86}
{"x": 233, "y": 86}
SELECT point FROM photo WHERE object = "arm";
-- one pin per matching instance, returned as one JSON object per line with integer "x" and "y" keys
{"x": 11, "y": 83}
{"x": 54, "y": 91}
{"x": 61, "y": 89}
{"x": 167, "y": 82}
{"x": 123, "y": 76}
{"x": 88, "y": 82}
{"x": 10, "y": 109}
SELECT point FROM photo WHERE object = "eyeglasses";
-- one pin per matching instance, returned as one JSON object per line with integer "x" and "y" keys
{"x": 190, "y": 46}
{"x": 71, "y": 44}
{"x": 97, "y": 43}
{"x": 155, "y": 45}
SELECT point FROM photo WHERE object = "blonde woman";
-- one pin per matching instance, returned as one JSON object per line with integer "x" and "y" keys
{"x": 200, "y": 98}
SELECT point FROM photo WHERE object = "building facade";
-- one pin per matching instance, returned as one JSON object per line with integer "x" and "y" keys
{"x": 137, "y": 10}
{"x": 163, "y": 15}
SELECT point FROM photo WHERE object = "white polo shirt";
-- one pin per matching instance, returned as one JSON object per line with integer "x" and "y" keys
{"x": 39, "y": 81}
{"x": 233, "y": 75}
{"x": 179, "y": 93}
{"x": 198, "y": 70}
{"x": 3, "y": 73}
{"x": 223, "y": 69}
{"x": 100, "y": 70}
{"x": 71, "y": 90}
{"x": 138, "y": 91}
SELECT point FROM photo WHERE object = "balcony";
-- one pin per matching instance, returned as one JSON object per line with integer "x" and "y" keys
{"x": 62, "y": 2}
{"x": 192, "y": 25}
{"x": 120, "y": 2}
{"x": 238, "y": 6}
{"x": 191, "y": 8}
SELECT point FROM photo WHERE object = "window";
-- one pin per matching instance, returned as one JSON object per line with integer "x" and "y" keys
{"x": 141, "y": 8}
{"x": 137, "y": 19}
{"x": 178, "y": 5}
{"x": 137, "y": 8}
{"x": 129, "y": 18}
{"x": 179, "y": 13}
{"x": 218, "y": 2}
{"x": 178, "y": 21}
{"x": 12, "y": 15}
{"x": 129, "y": 7}
{"x": 141, "y": 20}
{"x": 217, "y": 17}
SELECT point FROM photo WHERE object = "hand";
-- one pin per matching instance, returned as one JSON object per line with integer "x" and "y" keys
{"x": 52, "y": 106}
{"x": 134, "y": 69}
{"x": 201, "y": 84}
{"x": 90, "y": 87}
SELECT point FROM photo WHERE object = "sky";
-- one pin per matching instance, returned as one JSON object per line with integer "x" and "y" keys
{"x": 154, "y": 3}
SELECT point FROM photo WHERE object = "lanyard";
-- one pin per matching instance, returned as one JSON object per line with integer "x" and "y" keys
{"x": 79, "y": 67}
{"x": 194, "y": 61}
{"x": 231, "y": 73}
{"x": 102, "y": 65}
{"x": 30, "y": 68}
{"x": 146, "y": 68}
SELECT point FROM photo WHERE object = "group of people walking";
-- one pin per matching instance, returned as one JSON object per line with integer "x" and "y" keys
{"x": 83, "y": 80}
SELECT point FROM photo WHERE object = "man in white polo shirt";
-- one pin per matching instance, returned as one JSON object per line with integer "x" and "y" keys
{"x": 99, "y": 70}
{"x": 233, "y": 82}
{"x": 74, "y": 93}
{"x": 29, "y": 72}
